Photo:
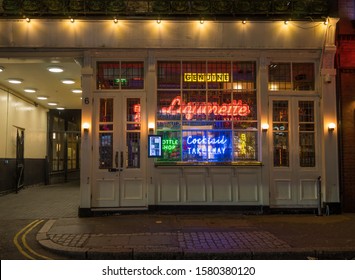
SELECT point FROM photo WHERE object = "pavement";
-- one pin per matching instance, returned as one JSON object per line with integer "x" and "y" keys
{"x": 179, "y": 235}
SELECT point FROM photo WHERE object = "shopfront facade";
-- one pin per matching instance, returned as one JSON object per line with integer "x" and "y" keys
{"x": 242, "y": 111}
{"x": 242, "y": 119}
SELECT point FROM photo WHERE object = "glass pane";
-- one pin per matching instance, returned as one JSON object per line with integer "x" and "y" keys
{"x": 105, "y": 150}
{"x": 210, "y": 146}
{"x": 106, "y": 110}
{"x": 133, "y": 146}
{"x": 133, "y": 113}
{"x": 303, "y": 76}
{"x": 171, "y": 146}
{"x": 193, "y": 105}
{"x": 132, "y": 75}
{"x": 108, "y": 75}
{"x": 279, "y": 76}
{"x": 306, "y": 120}
{"x": 194, "y": 75}
{"x": 244, "y": 76}
{"x": 280, "y": 133}
{"x": 245, "y": 145}
{"x": 169, "y": 105}
{"x": 219, "y": 75}
{"x": 169, "y": 74}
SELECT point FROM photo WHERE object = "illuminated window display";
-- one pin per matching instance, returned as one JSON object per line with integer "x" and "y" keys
{"x": 207, "y": 111}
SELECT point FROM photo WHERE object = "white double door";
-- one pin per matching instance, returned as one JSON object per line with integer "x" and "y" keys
{"x": 119, "y": 153}
{"x": 295, "y": 148}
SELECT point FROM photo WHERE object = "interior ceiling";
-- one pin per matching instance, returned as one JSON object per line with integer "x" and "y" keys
{"x": 34, "y": 74}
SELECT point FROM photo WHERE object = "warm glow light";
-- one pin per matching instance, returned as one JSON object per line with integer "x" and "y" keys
{"x": 115, "y": 20}
{"x": 286, "y": 22}
{"x": 42, "y": 97}
{"x": 68, "y": 81}
{"x": 331, "y": 126}
{"x": 86, "y": 125}
{"x": 76, "y": 90}
{"x": 151, "y": 127}
{"x": 55, "y": 69}
{"x": 273, "y": 86}
{"x": 72, "y": 20}
{"x": 28, "y": 20}
{"x": 52, "y": 104}
{"x": 2, "y": 69}
{"x": 30, "y": 90}
{"x": 60, "y": 108}
{"x": 244, "y": 21}
{"x": 265, "y": 126}
{"x": 202, "y": 21}
{"x": 15, "y": 81}
{"x": 158, "y": 21}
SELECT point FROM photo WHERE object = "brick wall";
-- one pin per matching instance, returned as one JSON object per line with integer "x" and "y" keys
{"x": 346, "y": 65}
{"x": 347, "y": 80}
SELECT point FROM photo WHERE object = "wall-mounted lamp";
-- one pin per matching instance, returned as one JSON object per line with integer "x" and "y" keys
{"x": 151, "y": 127}
{"x": 265, "y": 127}
{"x": 86, "y": 127}
{"x": 158, "y": 21}
{"x": 331, "y": 127}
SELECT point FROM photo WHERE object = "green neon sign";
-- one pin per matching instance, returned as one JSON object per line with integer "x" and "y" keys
{"x": 170, "y": 145}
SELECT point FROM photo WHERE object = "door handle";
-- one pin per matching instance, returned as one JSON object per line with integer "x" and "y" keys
{"x": 116, "y": 160}
{"x": 121, "y": 160}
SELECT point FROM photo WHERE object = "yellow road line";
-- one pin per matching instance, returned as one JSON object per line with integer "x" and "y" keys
{"x": 26, "y": 230}
{"x": 28, "y": 247}
{"x": 18, "y": 246}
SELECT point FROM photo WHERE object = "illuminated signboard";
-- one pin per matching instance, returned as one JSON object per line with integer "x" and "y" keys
{"x": 154, "y": 146}
{"x": 177, "y": 106}
{"x": 170, "y": 144}
{"x": 207, "y": 146}
{"x": 206, "y": 77}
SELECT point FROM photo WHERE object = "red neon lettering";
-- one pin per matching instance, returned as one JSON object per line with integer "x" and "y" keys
{"x": 177, "y": 106}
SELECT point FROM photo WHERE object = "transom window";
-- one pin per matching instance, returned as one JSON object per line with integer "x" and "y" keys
{"x": 120, "y": 75}
{"x": 291, "y": 76}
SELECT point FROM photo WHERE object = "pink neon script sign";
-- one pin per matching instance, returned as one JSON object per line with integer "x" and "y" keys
{"x": 177, "y": 106}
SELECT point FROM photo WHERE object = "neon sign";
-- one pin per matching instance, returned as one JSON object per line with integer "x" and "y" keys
{"x": 206, "y": 77}
{"x": 170, "y": 144}
{"x": 177, "y": 106}
{"x": 197, "y": 145}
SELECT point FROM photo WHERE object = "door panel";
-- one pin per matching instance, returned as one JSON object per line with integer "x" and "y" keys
{"x": 119, "y": 160}
{"x": 295, "y": 163}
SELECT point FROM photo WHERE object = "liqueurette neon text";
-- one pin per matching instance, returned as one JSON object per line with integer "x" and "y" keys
{"x": 177, "y": 106}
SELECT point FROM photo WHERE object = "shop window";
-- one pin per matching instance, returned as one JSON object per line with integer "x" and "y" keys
{"x": 120, "y": 75}
{"x": 280, "y": 133}
{"x": 306, "y": 133}
{"x": 291, "y": 76}
{"x": 207, "y": 111}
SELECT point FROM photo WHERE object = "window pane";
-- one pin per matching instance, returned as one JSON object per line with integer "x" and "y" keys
{"x": 169, "y": 75}
{"x": 169, "y": 105}
{"x": 194, "y": 75}
{"x": 105, "y": 150}
{"x": 280, "y": 76}
{"x": 219, "y": 75}
{"x": 133, "y": 117}
{"x": 133, "y": 150}
{"x": 171, "y": 146}
{"x": 280, "y": 133}
{"x": 306, "y": 134}
{"x": 108, "y": 75}
{"x": 245, "y": 145}
{"x": 303, "y": 76}
{"x": 132, "y": 75}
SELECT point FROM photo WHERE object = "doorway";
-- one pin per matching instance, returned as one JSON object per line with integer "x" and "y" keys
{"x": 295, "y": 161}
{"x": 119, "y": 156}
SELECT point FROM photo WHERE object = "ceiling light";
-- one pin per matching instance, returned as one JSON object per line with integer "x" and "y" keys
{"x": 42, "y": 97}
{"x": 55, "y": 69}
{"x": 60, "y": 108}
{"x": 2, "y": 69}
{"x": 78, "y": 90}
{"x": 30, "y": 90}
{"x": 68, "y": 81}
{"x": 52, "y": 104}
{"x": 15, "y": 81}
